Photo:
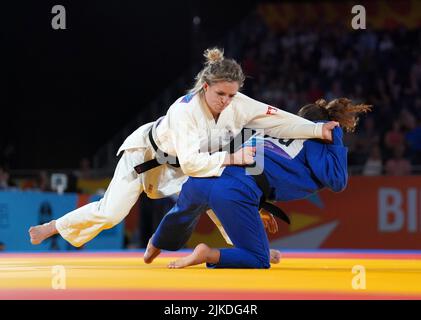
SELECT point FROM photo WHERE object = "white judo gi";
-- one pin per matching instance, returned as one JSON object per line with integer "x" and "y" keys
{"x": 189, "y": 132}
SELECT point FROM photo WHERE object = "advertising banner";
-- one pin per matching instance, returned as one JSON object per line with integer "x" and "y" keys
{"x": 21, "y": 210}
{"x": 372, "y": 213}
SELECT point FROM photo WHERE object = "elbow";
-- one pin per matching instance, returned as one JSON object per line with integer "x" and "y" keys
{"x": 203, "y": 166}
{"x": 189, "y": 169}
{"x": 193, "y": 168}
{"x": 339, "y": 184}
{"x": 339, "y": 187}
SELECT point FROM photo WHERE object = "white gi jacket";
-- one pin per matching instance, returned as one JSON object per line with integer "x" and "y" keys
{"x": 190, "y": 132}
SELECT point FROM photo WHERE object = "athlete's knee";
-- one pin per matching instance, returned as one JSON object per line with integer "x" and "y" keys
{"x": 109, "y": 217}
{"x": 164, "y": 242}
{"x": 265, "y": 264}
{"x": 258, "y": 262}
{"x": 263, "y": 260}
{"x": 266, "y": 260}
{"x": 111, "y": 222}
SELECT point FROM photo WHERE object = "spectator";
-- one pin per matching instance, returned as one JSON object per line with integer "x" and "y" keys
{"x": 358, "y": 153}
{"x": 386, "y": 44}
{"x": 85, "y": 171}
{"x": 413, "y": 138}
{"x": 374, "y": 164}
{"x": 398, "y": 165}
{"x": 415, "y": 74}
{"x": 335, "y": 92}
{"x": 367, "y": 134}
{"x": 43, "y": 181}
{"x": 407, "y": 119}
{"x": 394, "y": 137}
{"x": 329, "y": 63}
{"x": 4, "y": 179}
{"x": 315, "y": 92}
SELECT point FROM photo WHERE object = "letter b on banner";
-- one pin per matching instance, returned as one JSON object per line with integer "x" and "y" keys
{"x": 391, "y": 210}
{"x": 390, "y": 206}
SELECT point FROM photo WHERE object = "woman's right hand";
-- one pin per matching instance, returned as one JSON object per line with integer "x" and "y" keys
{"x": 327, "y": 130}
{"x": 242, "y": 157}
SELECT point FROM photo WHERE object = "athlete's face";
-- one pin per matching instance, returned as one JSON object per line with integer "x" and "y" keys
{"x": 219, "y": 95}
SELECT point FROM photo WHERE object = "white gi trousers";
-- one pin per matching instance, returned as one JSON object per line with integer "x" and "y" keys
{"x": 83, "y": 224}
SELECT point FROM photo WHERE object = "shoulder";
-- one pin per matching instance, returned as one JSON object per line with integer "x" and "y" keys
{"x": 245, "y": 103}
{"x": 242, "y": 98}
{"x": 187, "y": 98}
{"x": 185, "y": 109}
{"x": 185, "y": 104}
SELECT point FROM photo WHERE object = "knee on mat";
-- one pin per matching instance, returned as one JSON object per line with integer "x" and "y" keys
{"x": 258, "y": 263}
{"x": 258, "y": 260}
{"x": 265, "y": 264}
{"x": 264, "y": 261}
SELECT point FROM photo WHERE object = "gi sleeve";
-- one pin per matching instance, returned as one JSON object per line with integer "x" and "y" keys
{"x": 185, "y": 134}
{"x": 278, "y": 123}
{"x": 328, "y": 162}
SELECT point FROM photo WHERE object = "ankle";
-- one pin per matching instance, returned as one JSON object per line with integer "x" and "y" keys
{"x": 213, "y": 256}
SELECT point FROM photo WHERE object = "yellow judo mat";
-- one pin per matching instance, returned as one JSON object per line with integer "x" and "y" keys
{"x": 299, "y": 275}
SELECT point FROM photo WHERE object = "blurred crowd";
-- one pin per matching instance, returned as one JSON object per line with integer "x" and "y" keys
{"x": 383, "y": 68}
{"x": 41, "y": 180}
{"x": 297, "y": 66}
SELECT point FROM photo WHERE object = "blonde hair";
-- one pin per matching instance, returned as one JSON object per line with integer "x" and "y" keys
{"x": 341, "y": 110}
{"x": 217, "y": 68}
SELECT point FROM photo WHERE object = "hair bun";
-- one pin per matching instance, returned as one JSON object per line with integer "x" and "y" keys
{"x": 213, "y": 55}
{"x": 321, "y": 103}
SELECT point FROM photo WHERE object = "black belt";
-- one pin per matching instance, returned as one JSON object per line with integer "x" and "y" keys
{"x": 159, "y": 158}
{"x": 263, "y": 183}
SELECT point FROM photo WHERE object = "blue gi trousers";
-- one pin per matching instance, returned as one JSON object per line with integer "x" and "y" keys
{"x": 235, "y": 203}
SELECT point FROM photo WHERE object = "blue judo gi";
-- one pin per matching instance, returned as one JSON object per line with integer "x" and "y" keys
{"x": 295, "y": 169}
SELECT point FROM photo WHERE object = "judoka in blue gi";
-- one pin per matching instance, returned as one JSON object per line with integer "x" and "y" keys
{"x": 294, "y": 169}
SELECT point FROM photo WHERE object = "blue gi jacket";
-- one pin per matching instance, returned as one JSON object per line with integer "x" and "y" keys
{"x": 298, "y": 168}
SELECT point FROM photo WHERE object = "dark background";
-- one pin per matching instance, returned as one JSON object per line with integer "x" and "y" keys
{"x": 64, "y": 93}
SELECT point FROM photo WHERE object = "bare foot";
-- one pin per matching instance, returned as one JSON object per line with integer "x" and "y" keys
{"x": 41, "y": 232}
{"x": 201, "y": 254}
{"x": 275, "y": 256}
{"x": 151, "y": 252}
